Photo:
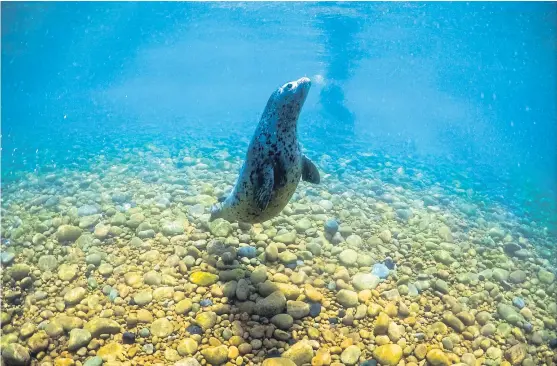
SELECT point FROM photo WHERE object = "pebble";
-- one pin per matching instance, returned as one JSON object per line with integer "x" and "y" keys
{"x": 388, "y": 354}
{"x": 187, "y": 347}
{"x": 247, "y": 251}
{"x": 516, "y": 354}
{"x": 347, "y": 298}
{"x": 300, "y": 353}
{"x": 518, "y": 276}
{"x": 519, "y": 302}
{"x": 546, "y": 277}
{"x": 6, "y": 258}
{"x": 194, "y": 329}
{"x": 331, "y": 227}
{"x": 436, "y": 357}
{"x": 128, "y": 338}
{"x": 365, "y": 281}
{"x": 348, "y": 257}
{"x": 16, "y": 354}
{"x": 206, "y": 320}
{"x": 93, "y": 361}
{"x": 297, "y": 309}
{"x": 451, "y": 320}
{"x": 75, "y": 295}
{"x": 68, "y": 233}
{"x": 78, "y": 338}
{"x": 283, "y": 321}
{"x": 351, "y": 355}
{"x": 278, "y": 361}
{"x": 271, "y": 305}
{"x": 215, "y": 355}
{"x": 380, "y": 270}
{"x": 203, "y": 278}
{"x": 98, "y": 326}
{"x": 271, "y": 252}
{"x": 314, "y": 309}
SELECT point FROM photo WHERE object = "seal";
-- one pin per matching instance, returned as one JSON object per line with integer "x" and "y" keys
{"x": 274, "y": 161}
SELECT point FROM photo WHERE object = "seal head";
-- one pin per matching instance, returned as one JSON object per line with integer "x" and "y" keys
{"x": 274, "y": 161}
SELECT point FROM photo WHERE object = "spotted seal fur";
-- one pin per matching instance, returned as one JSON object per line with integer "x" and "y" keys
{"x": 274, "y": 161}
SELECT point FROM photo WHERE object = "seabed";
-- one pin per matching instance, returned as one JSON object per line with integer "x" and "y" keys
{"x": 117, "y": 264}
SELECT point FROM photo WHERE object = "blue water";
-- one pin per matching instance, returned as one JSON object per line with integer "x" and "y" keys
{"x": 466, "y": 91}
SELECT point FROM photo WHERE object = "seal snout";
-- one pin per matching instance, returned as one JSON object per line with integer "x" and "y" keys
{"x": 304, "y": 80}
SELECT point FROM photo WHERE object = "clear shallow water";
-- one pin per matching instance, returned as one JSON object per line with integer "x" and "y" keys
{"x": 420, "y": 116}
{"x": 469, "y": 86}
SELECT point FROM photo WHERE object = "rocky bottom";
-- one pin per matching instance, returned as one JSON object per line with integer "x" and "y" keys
{"x": 105, "y": 267}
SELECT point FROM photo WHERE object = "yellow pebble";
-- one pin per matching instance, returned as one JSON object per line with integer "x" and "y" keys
{"x": 391, "y": 309}
{"x": 236, "y": 340}
{"x": 410, "y": 320}
{"x": 364, "y": 296}
{"x": 233, "y": 352}
{"x": 346, "y": 343}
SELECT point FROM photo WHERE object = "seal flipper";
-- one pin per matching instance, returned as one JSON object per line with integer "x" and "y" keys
{"x": 264, "y": 188}
{"x": 309, "y": 171}
{"x": 221, "y": 199}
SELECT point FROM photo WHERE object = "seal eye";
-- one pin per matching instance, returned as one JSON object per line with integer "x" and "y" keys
{"x": 289, "y": 86}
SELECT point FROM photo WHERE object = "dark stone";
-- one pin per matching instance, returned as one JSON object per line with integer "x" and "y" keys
{"x": 206, "y": 302}
{"x": 314, "y": 309}
{"x": 273, "y": 354}
{"x": 128, "y": 338}
{"x": 248, "y": 252}
{"x": 291, "y": 265}
{"x": 369, "y": 363}
{"x": 341, "y": 313}
{"x": 506, "y": 286}
{"x": 511, "y": 248}
{"x": 519, "y": 302}
{"x": 331, "y": 227}
{"x": 333, "y": 320}
{"x": 194, "y": 329}
{"x": 389, "y": 263}
{"x": 553, "y": 343}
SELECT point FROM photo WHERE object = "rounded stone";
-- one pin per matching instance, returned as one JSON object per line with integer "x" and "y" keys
{"x": 278, "y": 361}
{"x": 348, "y": 257}
{"x": 75, "y": 295}
{"x": 68, "y": 233}
{"x": 15, "y": 354}
{"x": 300, "y": 353}
{"x": 78, "y": 338}
{"x": 215, "y": 355}
{"x": 436, "y": 357}
{"x": 187, "y": 347}
{"x": 206, "y": 320}
{"x": 203, "y": 278}
{"x": 161, "y": 328}
{"x": 271, "y": 305}
{"x": 365, "y": 281}
{"x": 388, "y": 354}
{"x": 347, "y": 298}
{"x": 282, "y": 321}
{"x": 67, "y": 272}
{"x": 297, "y": 309}
{"x": 143, "y": 298}
{"x": 350, "y": 355}
{"x": 183, "y": 306}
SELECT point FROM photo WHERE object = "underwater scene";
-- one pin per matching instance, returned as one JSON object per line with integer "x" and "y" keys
{"x": 279, "y": 183}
